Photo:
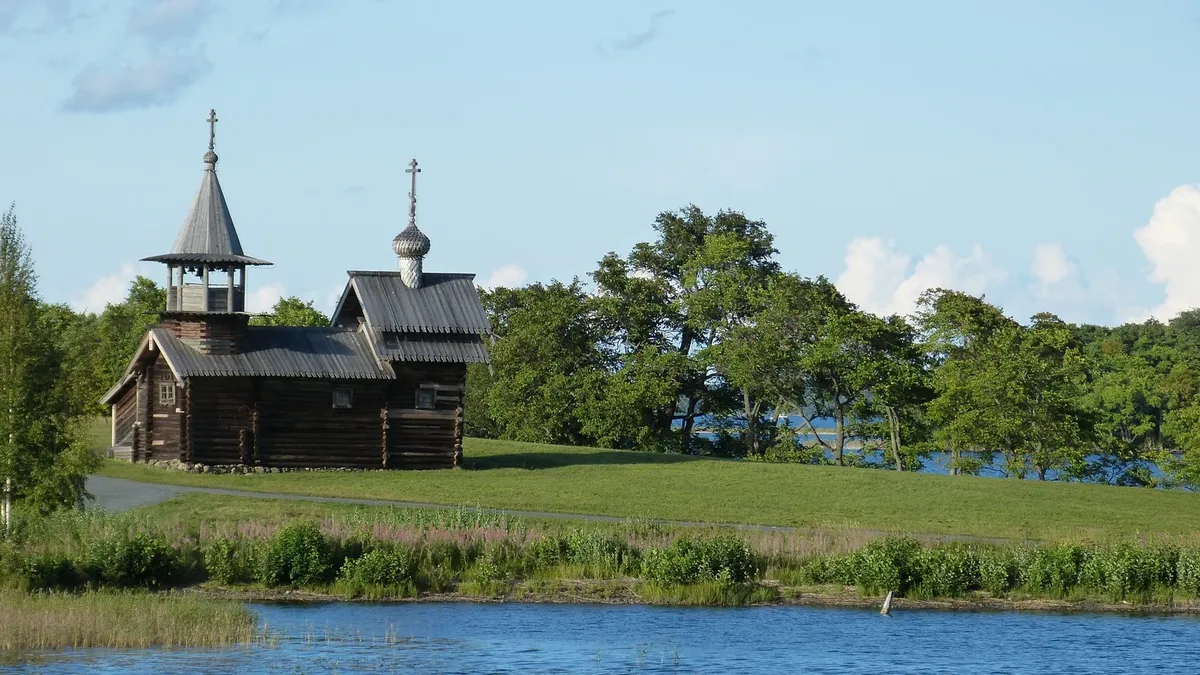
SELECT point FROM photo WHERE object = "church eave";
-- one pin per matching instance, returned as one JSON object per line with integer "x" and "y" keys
{"x": 206, "y": 258}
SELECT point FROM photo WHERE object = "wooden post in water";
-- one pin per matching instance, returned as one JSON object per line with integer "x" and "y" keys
{"x": 887, "y": 603}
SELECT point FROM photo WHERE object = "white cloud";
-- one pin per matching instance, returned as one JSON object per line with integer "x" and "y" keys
{"x": 877, "y": 276}
{"x": 1050, "y": 264}
{"x": 158, "y": 81}
{"x": 108, "y": 290}
{"x": 509, "y": 276}
{"x": 1171, "y": 243}
{"x": 263, "y": 298}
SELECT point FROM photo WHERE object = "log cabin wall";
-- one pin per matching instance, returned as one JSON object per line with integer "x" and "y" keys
{"x": 293, "y": 423}
{"x": 298, "y": 425}
{"x": 425, "y": 438}
{"x": 220, "y": 334}
{"x": 217, "y": 428}
{"x": 163, "y": 401}
{"x": 124, "y": 414}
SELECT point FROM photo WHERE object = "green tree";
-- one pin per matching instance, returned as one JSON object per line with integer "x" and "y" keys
{"x": 1003, "y": 388}
{"x": 547, "y": 364}
{"x": 123, "y": 326}
{"x": 669, "y": 300}
{"x": 41, "y": 458}
{"x": 292, "y": 311}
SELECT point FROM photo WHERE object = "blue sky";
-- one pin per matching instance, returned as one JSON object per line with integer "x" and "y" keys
{"x": 1044, "y": 153}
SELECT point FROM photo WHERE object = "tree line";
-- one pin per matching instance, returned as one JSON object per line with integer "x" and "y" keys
{"x": 699, "y": 342}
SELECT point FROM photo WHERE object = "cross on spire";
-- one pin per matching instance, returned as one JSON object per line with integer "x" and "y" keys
{"x": 212, "y": 128}
{"x": 412, "y": 195}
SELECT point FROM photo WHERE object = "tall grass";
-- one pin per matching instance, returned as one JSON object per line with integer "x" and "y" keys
{"x": 119, "y": 620}
{"x": 404, "y": 553}
{"x": 1121, "y": 572}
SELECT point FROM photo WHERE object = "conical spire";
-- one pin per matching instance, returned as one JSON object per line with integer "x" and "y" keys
{"x": 208, "y": 234}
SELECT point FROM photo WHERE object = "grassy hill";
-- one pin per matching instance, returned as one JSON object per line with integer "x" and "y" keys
{"x": 534, "y": 477}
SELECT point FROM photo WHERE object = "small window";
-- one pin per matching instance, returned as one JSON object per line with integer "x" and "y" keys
{"x": 343, "y": 398}
{"x": 425, "y": 398}
{"x": 166, "y": 394}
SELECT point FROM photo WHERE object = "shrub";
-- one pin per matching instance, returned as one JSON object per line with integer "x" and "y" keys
{"x": 230, "y": 561}
{"x": 298, "y": 555}
{"x": 52, "y": 571}
{"x": 1126, "y": 570}
{"x": 688, "y": 561}
{"x": 998, "y": 571}
{"x": 1187, "y": 572}
{"x": 379, "y": 572}
{"x": 891, "y": 564}
{"x": 1052, "y": 570}
{"x": 138, "y": 561}
{"x": 949, "y": 571}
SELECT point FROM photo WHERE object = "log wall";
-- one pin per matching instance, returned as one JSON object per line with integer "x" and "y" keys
{"x": 165, "y": 430}
{"x": 292, "y": 422}
{"x": 216, "y": 334}
{"x": 217, "y": 413}
{"x": 426, "y": 439}
{"x": 125, "y": 413}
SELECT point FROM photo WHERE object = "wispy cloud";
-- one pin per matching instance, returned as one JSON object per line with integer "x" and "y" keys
{"x": 165, "y": 20}
{"x": 159, "y": 81}
{"x": 644, "y": 37}
{"x": 19, "y": 17}
{"x": 175, "y": 60}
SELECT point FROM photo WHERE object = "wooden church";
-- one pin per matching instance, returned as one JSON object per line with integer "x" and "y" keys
{"x": 382, "y": 388}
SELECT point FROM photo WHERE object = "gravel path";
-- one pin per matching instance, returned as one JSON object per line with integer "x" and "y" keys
{"x": 118, "y": 494}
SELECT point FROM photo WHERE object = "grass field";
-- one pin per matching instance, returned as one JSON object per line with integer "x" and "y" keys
{"x": 534, "y": 477}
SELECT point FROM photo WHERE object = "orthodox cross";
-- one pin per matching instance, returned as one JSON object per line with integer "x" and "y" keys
{"x": 412, "y": 196}
{"x": 212, "y": 128}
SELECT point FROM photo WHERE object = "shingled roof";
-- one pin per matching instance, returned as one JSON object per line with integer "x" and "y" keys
{"x": 208, "y": 234}
{"x": 426, "y": 347}
{"x": 280, "y": 351}
{"x": 445, "y": 303}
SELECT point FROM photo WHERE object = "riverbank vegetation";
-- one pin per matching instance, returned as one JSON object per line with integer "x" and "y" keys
{"x": 570, "y": 480}
{"x": 404, "y": 554}
{"x": 119, "y": 620}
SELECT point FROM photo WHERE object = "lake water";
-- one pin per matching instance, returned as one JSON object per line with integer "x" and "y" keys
{"x": 529, "y": 638}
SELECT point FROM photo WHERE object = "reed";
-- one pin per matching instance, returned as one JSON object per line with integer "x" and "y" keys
{"x": 120, "y": 620}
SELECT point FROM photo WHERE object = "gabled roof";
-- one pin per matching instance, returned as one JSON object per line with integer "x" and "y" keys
{"x": 426, "y": 347}
{"x": 444, "y": 303}
{"x": 280, "y": 351}
{"x": 208, "y": 234}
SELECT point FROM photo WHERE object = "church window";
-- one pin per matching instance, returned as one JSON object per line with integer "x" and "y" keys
{"x": 166, "y": 394}
{"x": 425, "y": 398}
{"x": 343, "y": 398}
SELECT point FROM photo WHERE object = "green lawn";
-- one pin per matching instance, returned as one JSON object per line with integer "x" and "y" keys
{"x": 628, "y": 484}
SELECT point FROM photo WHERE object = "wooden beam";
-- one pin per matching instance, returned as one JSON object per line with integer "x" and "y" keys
{"x": 422, "y": 414}
{"x": 204, "y": 305}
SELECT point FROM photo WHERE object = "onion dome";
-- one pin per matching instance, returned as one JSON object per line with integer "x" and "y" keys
{"x": 411, "y": 243}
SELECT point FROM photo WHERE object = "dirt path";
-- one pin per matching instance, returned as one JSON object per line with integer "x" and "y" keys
{"x": 119, "y": 494}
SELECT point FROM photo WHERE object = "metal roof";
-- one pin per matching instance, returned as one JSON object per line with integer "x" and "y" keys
{"x": 208, "y": 234}
{"x": 438, "y": 348}
{"x": 445, "y": 303}
{"x": 280, "y": 351}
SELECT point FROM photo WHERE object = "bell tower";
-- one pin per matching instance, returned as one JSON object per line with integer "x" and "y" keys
{"x": 206, "y": 269}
